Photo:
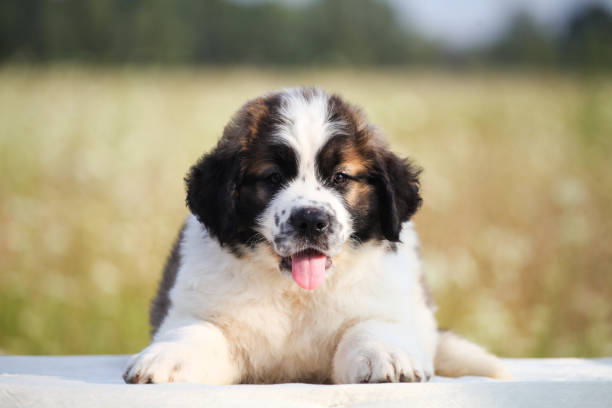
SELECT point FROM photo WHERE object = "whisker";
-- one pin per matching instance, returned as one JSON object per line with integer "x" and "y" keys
{"x": 254, "y": 239}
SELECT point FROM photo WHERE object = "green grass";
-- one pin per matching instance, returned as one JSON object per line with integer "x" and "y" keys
{"x": 516, "y": 226}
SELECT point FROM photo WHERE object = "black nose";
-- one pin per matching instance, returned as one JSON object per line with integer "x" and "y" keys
{"x": 309, "y": 221}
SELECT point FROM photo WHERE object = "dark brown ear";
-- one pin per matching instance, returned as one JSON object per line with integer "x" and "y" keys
{"x": 212, "y": 190}
{"x": 397, "y": 185}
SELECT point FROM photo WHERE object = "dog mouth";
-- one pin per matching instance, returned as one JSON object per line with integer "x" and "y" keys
{"x": 308, "y": 268}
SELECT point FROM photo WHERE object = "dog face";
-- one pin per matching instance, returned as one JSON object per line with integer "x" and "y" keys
{"x": 304, "y": 173}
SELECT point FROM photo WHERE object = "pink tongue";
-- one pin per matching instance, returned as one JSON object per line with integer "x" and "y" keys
{"x": 308, "y": 270}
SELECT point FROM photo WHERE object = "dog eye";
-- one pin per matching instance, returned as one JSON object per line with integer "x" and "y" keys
{"x": 274, "y": 178}
{"x": 339, "y": 178}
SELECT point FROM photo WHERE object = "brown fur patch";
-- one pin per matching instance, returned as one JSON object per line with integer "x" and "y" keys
{"x": 358, "y": 193}
{"x": 354, "y": 160}
{"x": 259, "y": 167}
{"x": 254, "y": 112}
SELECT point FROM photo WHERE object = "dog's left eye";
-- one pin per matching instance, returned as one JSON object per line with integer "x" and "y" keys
{"x": 339, "y": 179}
{"x": 274, "y": 178}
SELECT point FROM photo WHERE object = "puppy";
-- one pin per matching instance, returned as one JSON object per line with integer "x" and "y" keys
{"x": 299, "y": 262}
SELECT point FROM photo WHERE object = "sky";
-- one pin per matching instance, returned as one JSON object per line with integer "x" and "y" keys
{"x": 465, "y": 24}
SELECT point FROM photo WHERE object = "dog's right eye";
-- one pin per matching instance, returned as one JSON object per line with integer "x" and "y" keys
{"x": 274, "y": 178}
{"x": 339, "y": 179}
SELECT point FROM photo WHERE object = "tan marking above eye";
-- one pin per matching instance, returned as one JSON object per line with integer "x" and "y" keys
{"x": 353, "y": 168}
{"x": 343, "y": 169}
{"x": 350, "y": 169}
{"x": 261, "y": 168}
{"x": 353, "y": 160}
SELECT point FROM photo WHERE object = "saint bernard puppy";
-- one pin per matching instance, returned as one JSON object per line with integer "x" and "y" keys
{"x": 299, "y": 261}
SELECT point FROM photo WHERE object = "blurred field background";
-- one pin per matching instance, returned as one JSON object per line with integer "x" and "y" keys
{"x": 516, "y": 226}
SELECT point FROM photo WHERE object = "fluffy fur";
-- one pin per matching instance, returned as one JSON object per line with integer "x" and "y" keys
{"x": 299, "y": 172}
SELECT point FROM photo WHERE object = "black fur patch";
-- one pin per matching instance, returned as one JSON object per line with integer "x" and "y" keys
{"x": 397, "y": 185}
{"x": 161, "y": 302}
{"x": 229, "y": 187}
{"x": 256, "y": 190}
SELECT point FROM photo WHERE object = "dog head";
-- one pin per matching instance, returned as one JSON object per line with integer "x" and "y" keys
{"x": 303, "y": 172}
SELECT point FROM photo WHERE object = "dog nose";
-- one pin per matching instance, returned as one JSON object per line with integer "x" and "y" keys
{"x": 309, "y": 221}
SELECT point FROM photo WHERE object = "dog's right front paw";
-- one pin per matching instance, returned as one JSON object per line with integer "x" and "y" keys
{"x": 167, "y": 362}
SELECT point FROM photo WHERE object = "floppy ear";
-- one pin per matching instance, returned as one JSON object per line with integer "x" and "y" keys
{"x": 397, "y": 185}
{"x": 212, "y": 191}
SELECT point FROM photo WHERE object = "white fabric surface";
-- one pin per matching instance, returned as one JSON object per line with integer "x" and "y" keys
{"x": 95, "y": 381}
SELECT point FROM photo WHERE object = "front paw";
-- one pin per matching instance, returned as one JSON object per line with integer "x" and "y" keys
{"x": 166, "y": 362}
{"x": 377, "y": 362}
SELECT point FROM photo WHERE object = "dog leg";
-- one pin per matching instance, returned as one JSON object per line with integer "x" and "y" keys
{"x": 190, "y": 351}
{"x": 378, "y": 351}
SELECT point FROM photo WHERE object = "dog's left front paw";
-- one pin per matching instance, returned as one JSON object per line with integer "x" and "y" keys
{"x": 376, "y": 362}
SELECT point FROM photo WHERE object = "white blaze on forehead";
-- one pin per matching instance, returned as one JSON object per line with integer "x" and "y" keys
{"x": 306, "y": 125}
